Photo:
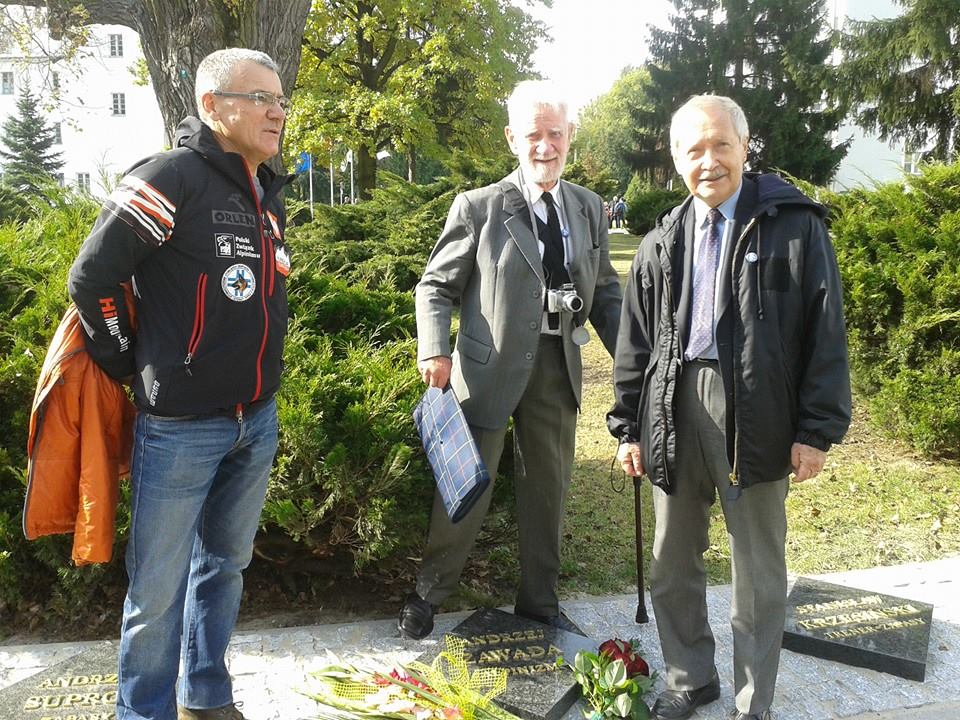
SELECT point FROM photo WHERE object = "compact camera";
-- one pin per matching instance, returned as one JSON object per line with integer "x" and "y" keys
{"x": 564, "y": 299}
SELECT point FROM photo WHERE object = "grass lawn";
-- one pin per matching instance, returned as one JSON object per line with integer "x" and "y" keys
{"x": 875, "y": 503}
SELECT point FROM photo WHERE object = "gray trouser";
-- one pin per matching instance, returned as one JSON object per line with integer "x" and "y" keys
{"x": 756, "y": 528}
{"x": 545, "y": 434}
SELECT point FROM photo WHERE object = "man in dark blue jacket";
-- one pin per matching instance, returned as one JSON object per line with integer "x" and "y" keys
{"x": 730, "y": 373}
{"x": 199, "y": 230}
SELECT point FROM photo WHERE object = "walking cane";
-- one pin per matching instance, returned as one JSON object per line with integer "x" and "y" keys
{"x": 637, "y": 509}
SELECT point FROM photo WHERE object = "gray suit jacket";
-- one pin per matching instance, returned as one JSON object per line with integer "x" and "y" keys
{"x": 488, "y": 260}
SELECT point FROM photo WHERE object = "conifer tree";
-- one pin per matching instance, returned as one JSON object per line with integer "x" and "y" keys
{"x": 903, "y": 76}
{"x": 28, "y": 160}
{"x": 771, "y": 56}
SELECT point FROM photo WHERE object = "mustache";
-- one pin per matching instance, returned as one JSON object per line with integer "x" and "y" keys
{"x": 713, "y": 176}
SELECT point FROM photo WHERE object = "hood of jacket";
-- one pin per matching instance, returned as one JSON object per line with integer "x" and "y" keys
{"x": 194, "y": 134}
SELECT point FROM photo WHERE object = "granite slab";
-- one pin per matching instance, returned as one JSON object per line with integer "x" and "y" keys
{"x": 858, "y": 627}
{"x": 538, "y": 688}
{"x": 83, "y": 687}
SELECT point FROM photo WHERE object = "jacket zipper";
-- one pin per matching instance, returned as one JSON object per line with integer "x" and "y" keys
{"x": 735, "y": 469}
{"x": 264, "y": 263}
{"x": 668, "y": 292}
{"x": 199, "y": 310}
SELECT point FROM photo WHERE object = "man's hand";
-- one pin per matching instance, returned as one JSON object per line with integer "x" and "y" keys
{"x": 628, "y": 455}
{"x": 435, "y": 371}
{"x": 807, "y": 461}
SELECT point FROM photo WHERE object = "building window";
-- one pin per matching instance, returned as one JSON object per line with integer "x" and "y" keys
{"x": 6, "y": 83}
{"x": 57, "y": 136}
{"x": 83, "y": 182}
{"x": 911, "y": 162}
{"x": 116, "y": 46}
{"x": 119, "y": 104}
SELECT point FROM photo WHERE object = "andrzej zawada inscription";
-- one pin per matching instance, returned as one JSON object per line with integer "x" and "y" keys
{"x": 521, "y": 652}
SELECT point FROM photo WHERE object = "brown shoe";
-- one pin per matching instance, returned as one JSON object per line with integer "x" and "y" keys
{"x": 227, "y": 712}
{"x": 680, "y": 704}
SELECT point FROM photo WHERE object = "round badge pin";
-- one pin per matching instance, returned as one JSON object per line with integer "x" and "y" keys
{"x": 580, "y": 336}
{"x": 752, "y": 257}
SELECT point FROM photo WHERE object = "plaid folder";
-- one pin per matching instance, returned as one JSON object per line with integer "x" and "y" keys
{"x": 460, "y": 473}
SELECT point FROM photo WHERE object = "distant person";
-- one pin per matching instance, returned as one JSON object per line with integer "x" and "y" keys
{"x": 730, "y": 373}
{"x": 608, "y": 212}
{"x": 620, "y": 212}
{"x": 200, "y": 230}
{"x": 527, "y": 262}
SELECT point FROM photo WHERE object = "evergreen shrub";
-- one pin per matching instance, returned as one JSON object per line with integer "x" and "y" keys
{"x": 645, "y": 202}
{"x": 349, "y": 473}
{"x": 898, "y": 246}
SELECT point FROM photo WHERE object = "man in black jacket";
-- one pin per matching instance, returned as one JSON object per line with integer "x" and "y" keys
{"x": 730, "y": 373}
{"x": 199, "y": 231}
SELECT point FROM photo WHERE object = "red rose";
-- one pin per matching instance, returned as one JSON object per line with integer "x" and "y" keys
{"x": 617, "y": 649}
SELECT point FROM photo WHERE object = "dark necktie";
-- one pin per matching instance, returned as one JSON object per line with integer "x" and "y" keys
{"x": 552, "y": 239}
{"x": 704, "y": 287}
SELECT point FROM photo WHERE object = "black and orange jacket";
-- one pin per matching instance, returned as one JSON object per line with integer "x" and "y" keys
{"x": 209, "y": 268}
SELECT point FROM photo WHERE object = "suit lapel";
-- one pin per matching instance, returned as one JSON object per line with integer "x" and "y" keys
{"x": 578, "y": 226}
{"x": 517, "y": 222}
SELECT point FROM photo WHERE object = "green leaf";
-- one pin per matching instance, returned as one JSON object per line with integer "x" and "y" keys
{"x": 615, "y": 675}
{"x": 623, "y": 704}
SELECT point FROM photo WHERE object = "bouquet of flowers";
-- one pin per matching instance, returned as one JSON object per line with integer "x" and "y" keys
{"x": 444, "y": 690}
{"x": 614, "y": 680}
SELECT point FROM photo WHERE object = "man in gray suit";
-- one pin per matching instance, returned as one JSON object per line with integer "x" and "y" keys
{"x": 527, "y": 260}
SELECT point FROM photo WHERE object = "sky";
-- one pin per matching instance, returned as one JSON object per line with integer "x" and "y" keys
{"x": 593, "y": 40}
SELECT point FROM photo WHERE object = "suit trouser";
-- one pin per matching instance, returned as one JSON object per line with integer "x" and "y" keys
{"x": 545, "y": 435}
{"x": 756, "y": 529}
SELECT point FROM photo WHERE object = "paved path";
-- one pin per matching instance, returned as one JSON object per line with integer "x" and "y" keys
{"x": 272, "y": 667}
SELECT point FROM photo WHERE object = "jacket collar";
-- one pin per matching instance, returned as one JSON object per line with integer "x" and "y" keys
{"x": 193, "y": 134}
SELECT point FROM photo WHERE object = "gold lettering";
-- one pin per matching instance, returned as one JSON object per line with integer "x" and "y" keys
{"x": 536, "y": 651}
{"x": 839, "y": 604}
{"x": 554, "y": 651}
{"x": 519, "y": 654}
{"x": 32, "y": 703}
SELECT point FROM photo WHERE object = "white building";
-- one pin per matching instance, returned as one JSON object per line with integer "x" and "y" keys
{"x": 106, "y": 121}
{"x": 870, "y": 160}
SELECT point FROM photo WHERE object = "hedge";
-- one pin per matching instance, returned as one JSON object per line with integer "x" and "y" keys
{"x": 898, "y": 246}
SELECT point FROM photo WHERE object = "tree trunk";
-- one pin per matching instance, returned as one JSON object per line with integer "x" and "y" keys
{"x": 412, "y": 165}
{"x": 366, "y": 172}
{"x": 177, "y": 34}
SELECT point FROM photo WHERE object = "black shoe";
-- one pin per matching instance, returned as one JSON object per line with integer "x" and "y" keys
{"x": 737, "y": 715}
{"x": 416, "y": 618}
{"x": 561, "y": 621}
{"x": 680, "y": 704}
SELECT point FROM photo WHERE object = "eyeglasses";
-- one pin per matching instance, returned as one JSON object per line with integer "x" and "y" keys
{"x": 259, "y": 98}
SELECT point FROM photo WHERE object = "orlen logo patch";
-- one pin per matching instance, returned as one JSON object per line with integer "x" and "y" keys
{"x": 231, "y": 217}
{"x": 238, "y": 283}
{"x": 226, "y": 242}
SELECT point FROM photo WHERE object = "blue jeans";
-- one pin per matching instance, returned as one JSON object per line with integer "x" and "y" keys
{"x": 198, "y": 489}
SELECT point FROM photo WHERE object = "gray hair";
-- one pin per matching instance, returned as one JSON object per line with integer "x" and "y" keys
{"x": 703, "y": 102}
{"x": 216, "y": 70}
{"x": 533, "y": 94}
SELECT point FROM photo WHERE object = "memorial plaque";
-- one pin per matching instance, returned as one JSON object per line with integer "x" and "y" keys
{"x": 83, "y": 687}
{"x": 858, "y": 627}
{"x": 537, "y": 688}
